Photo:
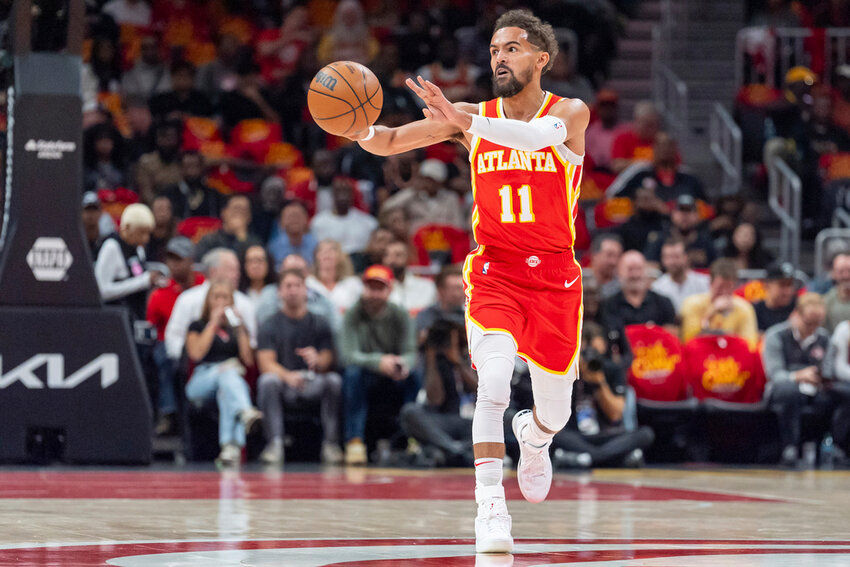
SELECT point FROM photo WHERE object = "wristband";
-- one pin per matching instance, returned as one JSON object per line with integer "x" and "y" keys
{"x": 369, "y": 136}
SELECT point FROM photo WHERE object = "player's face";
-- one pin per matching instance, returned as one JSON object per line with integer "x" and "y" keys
{"x": 513, "y": 61}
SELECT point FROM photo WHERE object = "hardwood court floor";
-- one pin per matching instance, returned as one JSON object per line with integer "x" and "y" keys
{"x": 380, "y": 517}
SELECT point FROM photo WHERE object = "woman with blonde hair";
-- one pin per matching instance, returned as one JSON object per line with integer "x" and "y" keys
{"x": 349, "y": 39}
{"x": 219, "y": 345}
{"x": 333, "y": 275}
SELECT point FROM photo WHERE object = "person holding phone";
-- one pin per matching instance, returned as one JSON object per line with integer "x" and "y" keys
{"x": 219, "y": 344}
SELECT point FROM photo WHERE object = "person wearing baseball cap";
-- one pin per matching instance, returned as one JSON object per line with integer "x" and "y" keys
{"x": 780, "y": 287}
{"x": 685, "y": 224}
{"x": 91, "y": 221}
{"x": 179, "y": 254}
{"x": 378, "y": 349}
{"x": 427, "y": 200}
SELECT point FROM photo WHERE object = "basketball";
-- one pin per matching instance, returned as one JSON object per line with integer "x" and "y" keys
{"x": 345, "y": 97}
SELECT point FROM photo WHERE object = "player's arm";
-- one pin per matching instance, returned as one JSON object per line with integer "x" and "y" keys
{"x": 385, "y": 141}
{"x": 564, "y": 124}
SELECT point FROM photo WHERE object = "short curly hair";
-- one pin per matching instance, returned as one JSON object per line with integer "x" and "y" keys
{"x": 540, "y": 34}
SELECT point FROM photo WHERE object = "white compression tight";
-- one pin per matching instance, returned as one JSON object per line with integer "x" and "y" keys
{"x": 493, "y": 355}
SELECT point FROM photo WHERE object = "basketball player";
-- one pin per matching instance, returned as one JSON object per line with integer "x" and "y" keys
{"x": 523, "y": 283}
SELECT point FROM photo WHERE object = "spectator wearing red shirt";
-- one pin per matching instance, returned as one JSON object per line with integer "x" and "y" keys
{"x": 600, "y": 135}
{"x": 280, "y": 50}
{"x": 179, "y": 259}
{"x": 636, "y": 143}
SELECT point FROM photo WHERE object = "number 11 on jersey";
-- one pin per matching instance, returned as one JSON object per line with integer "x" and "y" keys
{"x": 525, "y": 212}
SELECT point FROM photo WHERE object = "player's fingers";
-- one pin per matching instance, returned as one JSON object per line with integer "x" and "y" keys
{"x": 428, "y": 114}
{"x": 434, "y": 89}
{"x": 419, "y": 91}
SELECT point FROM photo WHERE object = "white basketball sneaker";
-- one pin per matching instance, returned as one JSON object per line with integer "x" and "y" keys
{"x": 534, "y": 470}
{"x": 493, "y": 523}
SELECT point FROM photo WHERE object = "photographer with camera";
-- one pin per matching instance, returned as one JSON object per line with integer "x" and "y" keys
{"x": 794, "y": 355}
{"x": 444, "y": 421}
{"x": 595, "y": 435}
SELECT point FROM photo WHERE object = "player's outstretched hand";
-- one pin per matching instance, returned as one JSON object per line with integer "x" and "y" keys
{"x": 438, "y": 108}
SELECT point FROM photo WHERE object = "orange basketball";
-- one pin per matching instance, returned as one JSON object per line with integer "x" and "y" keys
{"x": 344, "y": 98}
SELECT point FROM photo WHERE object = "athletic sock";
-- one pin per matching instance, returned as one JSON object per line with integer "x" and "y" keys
{"x": 535, "y": 436}
{"x": 488, "y": 471}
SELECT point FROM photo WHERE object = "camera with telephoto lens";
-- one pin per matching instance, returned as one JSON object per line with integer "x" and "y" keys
{"x": 592, "y": 359}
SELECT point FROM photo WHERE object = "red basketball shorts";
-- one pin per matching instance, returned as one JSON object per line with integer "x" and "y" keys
{"x": 536, "y": 299}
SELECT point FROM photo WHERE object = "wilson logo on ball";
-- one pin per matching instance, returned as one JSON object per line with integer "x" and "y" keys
{"x": 326, "y": 80}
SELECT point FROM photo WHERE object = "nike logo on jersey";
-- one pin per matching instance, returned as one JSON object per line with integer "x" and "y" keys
{"x": 570, "y": 284}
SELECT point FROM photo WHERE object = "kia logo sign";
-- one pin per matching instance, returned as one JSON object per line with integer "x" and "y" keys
{"x": 49, "y": 259}
{"x": 106, "y": 365}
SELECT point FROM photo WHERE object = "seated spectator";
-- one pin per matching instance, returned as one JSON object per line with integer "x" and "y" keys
{"x": 183, "y": 100}
{"x": 378, "y": 350}
{"x": 636, "y": 143}
{"x": 838, "y": 298}
{"x": 132, "y": 12}
{"x": 374, "y": 251}
{"x": 104, "y": 158}
{"x": 720, "y": 311}
{"x": 595, "y": 434}
{"x": 591, "y": 301}
{"x": 149, "y": 75}
{"x": 221, "y": 349}
{"x": 648, "y": 221}
{"x": 164, "y": 229}
{"x": 780, "y": 288}
{"x": 427, "y": 200}
{"x": 267, "y": 207}
{"x": 258, "y": 280}
{"x": 685, "y": 224}
{"x": 410, "y": 291}
{"x": 793, "y": 356}
{"x": 563, "y": 78}
{"x": 233, "y": 234}
{"x": 333, "y": 276}
{"x": 247, "y": 100}
{"x": 219, "y": 75}
{"x": 665, "y": 176}
{"x": 91, "y": 215}
{"x": 179, "y": 257}
{"x": 219, "y": 264}
{"x": 317, "y": 303}
{"x": 345, "y": 224}
{"x": 139, "y": 121}
{"x": 450, "y": 305}
{"x": 192, "y": 197}
{"x": 605, "y": 252}
{"x": 745, "y": 248}
{"x": 444, "y": 421}
{"x": 105, "y": 64}
{"x": 295, "y": 355}
{"x": 280, "y": 49}
{"x": 600, "y": 135}
{"x": 834, "y": 247}
{"x": 349, "y": 38}
{"x": 635, "y": 303}
{"x": 294, "y": 237}
{"x": 160, "y": 168}
{"x": 450, "y": 71}
{"x": 729, "y": 212}
{"x": 776, "y": 14}
{"x": 836, "y": 373}
{"x": 317, "y": 192}
{"x": 120, "y": 267}
{"x": 679, "y": 281}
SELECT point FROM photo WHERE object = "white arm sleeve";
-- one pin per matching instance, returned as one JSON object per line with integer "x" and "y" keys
{"x": 528, "y": 136}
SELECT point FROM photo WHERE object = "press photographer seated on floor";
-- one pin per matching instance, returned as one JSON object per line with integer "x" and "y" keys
{"x": 595, "y": 434}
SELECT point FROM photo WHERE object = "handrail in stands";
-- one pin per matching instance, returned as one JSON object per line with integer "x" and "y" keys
{"x": 725, "y": 142}
{"x": 670, "y": 93}
{"x": 785, "y": 200}
{"x": 820, "y": 246}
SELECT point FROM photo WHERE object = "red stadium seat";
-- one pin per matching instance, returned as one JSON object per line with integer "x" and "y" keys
{"x": 724, "y": 368}
{"x": 612, "y": 212}
{"x": 253, "y": 138}
{"x": 656, "y": 372}
{"x": 440, "y": 243}
{"x": 195, "y": 228}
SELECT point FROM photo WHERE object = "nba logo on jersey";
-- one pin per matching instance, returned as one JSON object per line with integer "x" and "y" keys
{"x": 485, "y": 268}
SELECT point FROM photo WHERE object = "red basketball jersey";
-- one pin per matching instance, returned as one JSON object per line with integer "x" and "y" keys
{"x": 524, "y": 201}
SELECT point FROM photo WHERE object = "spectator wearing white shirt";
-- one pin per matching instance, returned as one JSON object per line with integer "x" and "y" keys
{"x": 679, "y": 281}
{"x": 220, "y": 264}
{"x": 345, "y": 224}
{"x": 333, "y": 276}
{"x": 132, "y": 12}
{"x": 427, "y": 201}
{"x": 409, "y": 291}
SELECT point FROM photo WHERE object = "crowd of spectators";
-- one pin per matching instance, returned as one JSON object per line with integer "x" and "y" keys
{"x": 280, "y": 270}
